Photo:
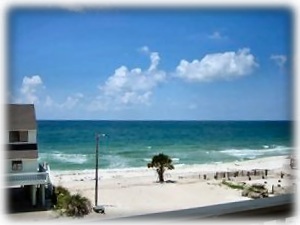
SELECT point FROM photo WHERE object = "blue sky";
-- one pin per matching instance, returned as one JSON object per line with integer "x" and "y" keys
{"x": 152, "y": 64}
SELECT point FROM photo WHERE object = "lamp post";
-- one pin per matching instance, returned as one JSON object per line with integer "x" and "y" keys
{"x": 97, "y": 208}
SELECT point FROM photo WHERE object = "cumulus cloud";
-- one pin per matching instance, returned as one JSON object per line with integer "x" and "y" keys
{"x": 154, "y": 61}
{"x": 216, "y": 36}
{"x": 49, "y": 102}
{"x": 133, "y": 86}
{"x": 29, "y": 88}
{"x": 217, "y": 66}
{"x": 130, "y": 87}
{"x": 144, "y": 49}
{"x": 280, "y": 60}
{"x": 131, "y": 97}
{"x": 71, "y": 101}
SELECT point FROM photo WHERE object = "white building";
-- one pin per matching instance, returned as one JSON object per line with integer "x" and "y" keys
{"x": 22, "y": 153}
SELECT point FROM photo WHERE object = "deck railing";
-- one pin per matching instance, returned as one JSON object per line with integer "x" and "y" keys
{"x": 29, "y": 178}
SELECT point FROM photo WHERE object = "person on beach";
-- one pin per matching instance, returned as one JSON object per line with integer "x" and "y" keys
{"x": 293, "y": 163}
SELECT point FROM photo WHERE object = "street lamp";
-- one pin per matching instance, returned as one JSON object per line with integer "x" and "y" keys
{"x": 97, "y": 208}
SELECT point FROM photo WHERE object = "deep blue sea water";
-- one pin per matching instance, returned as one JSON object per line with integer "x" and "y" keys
{"x": 70, "y": 145}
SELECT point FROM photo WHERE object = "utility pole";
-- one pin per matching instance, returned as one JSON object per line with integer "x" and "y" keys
{"x": 97, "y": 208}
{"x": 96, "y": 178}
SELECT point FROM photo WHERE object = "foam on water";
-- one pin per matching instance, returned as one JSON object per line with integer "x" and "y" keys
{"x": 116, "y": 161}
{"x": 65, "y": 158}
{"x": 254, "y": 153}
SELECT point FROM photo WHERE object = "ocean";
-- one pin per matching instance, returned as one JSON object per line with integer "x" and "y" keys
{"x": 70, "y": 145}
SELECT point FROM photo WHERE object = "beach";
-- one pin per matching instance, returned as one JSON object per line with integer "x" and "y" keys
{"x": 135, "y": 191}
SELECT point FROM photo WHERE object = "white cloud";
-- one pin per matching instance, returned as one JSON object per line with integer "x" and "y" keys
{"x": 30, "y": 86}
{"x": 134, "y": 86}
{"x": 49, "y": 102}
{"x": 216, "y": 36}
{"x": 217, "y": 66}
{"x": 99, "y": 103}
{"x": 130, "y": 87}
{"x": 280, "y": 60}
{"x": 134, "y": 98}
{"x": 144, "y": 49}
{"x": 71, "y": 101}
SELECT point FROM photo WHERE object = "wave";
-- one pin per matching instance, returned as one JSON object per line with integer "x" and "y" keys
{"x": 173, "y": 159}
{"x": 66, "y": 158}
{"x": 116, "y": 161}
{"x": 254, "y": 153}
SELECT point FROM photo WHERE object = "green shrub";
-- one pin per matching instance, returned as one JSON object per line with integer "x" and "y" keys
{"x": 78, "y": 206}
{"x": 233, "y": 185}
{"x": 63, "y": 195}
{"x": 252, "y": 191}
{"x": 71, "y": 205}
{"x": 62, "y": 190}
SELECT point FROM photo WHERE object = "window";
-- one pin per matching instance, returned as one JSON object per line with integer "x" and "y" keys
{"x": 18, "y": 136}
{"x": 17, "y": 165}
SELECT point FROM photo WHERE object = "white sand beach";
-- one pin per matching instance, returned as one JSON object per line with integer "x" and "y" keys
{"x": 136, "y": 191}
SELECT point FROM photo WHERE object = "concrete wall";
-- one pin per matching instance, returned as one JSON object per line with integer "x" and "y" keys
{"x": 29, "y": 165}
{"x": 264, "y": 209}
{"x": 32, "y": 136}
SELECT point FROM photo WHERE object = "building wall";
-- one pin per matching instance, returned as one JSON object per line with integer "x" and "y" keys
{"x": 31, "y": 136}
{"x": 28, "y": 165}
{"x": 28, "y": 157}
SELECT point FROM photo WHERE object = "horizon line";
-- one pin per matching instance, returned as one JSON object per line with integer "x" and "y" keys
{"x": 175, "y": 120}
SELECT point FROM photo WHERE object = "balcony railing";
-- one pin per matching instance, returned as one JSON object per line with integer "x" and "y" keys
{"x": 34, "y": 178}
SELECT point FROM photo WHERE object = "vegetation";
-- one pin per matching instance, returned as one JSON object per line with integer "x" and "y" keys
{"x": 62, "y": 196}
{"x": 161, "y": 162}
{"x": 71, "y": 205}
{"x": 78, "y": 206}
{"x": 234, "y": 185}
{"x": 251, "y": 191}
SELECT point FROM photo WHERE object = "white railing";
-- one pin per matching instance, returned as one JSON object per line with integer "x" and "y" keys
{"x": 32, "y": 178}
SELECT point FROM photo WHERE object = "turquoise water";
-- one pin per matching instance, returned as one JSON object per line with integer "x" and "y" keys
{"x": 70, "y": 145}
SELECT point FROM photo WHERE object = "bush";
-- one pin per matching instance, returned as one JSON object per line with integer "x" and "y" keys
{"x": 71, "y": 205}
{"x": 61, "y": 190}
{"x": 252, "y": 191}
{"x": 62, "y": 197}
{"x": 78, "y": 206}
{"x": 233, "y": 185}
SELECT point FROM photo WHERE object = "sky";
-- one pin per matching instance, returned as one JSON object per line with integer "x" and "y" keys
{"x": 152, "y": 64}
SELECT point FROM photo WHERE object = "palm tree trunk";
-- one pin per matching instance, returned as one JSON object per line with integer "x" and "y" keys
{"x": 161, "y": 175}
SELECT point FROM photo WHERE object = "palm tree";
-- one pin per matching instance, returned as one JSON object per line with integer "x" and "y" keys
{"x": 161, "y": 162}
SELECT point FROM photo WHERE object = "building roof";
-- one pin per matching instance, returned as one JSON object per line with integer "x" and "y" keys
{"x": 21, "y": 117}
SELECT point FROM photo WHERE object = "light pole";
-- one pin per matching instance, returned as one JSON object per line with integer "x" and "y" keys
{"x": 97, "y": 208}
